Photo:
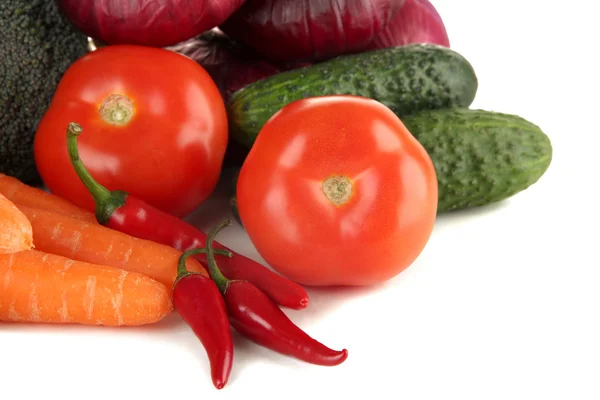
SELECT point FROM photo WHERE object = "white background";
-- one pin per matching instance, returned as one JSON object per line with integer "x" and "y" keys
{"x": 502, "y": 304}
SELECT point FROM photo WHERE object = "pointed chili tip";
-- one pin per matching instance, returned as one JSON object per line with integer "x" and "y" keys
{"x": 342, "y": 357}
{"x": 219, "y": 383}
{"x": 336, "y": 359}
{"x": 304, "y": 302}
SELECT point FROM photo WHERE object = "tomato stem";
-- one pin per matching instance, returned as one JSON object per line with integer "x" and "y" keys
{"x": 217, "y": 276}
{"x": 106, "y": 201}
{"x": 116, "y": 110}
{"x": 337, "y": 189}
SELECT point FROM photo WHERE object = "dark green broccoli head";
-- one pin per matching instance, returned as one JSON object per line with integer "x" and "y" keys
{"x": 37, "y": 45}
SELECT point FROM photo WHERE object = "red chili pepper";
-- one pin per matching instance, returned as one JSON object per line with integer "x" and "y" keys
{"x": 125, "y": 213}
{"x": 199, "y": 302}
{"x": 257, "y": 317}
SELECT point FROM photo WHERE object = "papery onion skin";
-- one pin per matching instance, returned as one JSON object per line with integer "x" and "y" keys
{"x": 155, "y": 23}
{"x": 230, "y": 64}
{"x": 309, "y": 30}
{"x": 417, "y": 21}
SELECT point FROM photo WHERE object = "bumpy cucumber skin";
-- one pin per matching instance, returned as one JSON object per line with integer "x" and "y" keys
{"x": 480, "y": 157}
{"x": 406, "y": 79}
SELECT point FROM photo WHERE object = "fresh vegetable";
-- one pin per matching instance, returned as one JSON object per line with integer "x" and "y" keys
{"x": 128, "y": 214}
{"x": 405, "y": 79}
{"x": 147, "y": 22}
{"x": 417, "y": 22}
{"x": 96, "y": 244}
{"x": 157, "y": 134}
{"x": 15, "y": 228}
{"x": 231, "y": 65}
{"x": 309, "y": 30}
{"x": 26, "y": 195}
{"x": 200, "y": 304}
{"x": 480, "y": 157}
{"x": 37, "y": 45}
{"x": 257, "y": 317}
{"x": 336, "y": 191}
{"x": 45, "y": 288}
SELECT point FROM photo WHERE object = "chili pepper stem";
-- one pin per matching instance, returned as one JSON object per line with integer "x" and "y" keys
{"x": 181, "y": 268}
{"x": 106, "y": 201}
{"x": 213, "y": 268}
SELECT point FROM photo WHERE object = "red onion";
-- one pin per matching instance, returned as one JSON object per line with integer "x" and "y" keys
{"x": 309, "y": 30}
{"x": 417, "y": 22}
{"x": 231, "y": 65}
{"x": 155, "y": 23}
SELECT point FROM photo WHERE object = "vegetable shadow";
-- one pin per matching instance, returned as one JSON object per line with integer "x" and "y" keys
{"x": 466, "y": 214}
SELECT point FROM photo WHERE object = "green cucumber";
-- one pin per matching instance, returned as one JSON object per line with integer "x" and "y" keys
{"x": 406, "y": 79}
{"x": 480, "y": 157}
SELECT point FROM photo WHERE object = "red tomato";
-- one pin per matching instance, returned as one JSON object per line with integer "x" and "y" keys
{"x": 154, "y": 125}
{"x": 336, "y": 191}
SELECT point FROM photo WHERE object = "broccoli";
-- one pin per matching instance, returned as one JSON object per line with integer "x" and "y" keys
{"x": 37, "y": 45}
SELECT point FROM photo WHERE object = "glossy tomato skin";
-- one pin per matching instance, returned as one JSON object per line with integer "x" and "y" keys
{"x": 169, "y": 153}
{"x": 387, "y": 217}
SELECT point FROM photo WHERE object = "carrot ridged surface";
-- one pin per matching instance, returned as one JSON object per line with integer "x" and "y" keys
{"x": 15, "y": 228}
{"x": 97, "y": 244}
{"x": 22, "y": 194}
{"x": 39, "y": 287}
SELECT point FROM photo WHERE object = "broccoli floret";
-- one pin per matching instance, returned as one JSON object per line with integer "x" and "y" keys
{"x": 37, "y": 45}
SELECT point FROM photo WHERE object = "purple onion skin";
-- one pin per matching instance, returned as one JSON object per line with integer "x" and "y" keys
{"x": 309, "y": 30}
{"x": 230, "y": 64}
{"x": 156, "y": 23}
{"x": 416, "y": 22}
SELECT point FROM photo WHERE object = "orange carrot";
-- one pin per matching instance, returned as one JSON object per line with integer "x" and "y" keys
{"x": 15, "y": 228}
{"x": 22, "y": 194}
{"x": 93, "y": 243}
{"x": 46, "y": 288}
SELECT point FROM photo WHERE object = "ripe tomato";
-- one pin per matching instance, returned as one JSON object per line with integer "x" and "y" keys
{"x": 336, "y": 191}
{"x": 154, "y": 125}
